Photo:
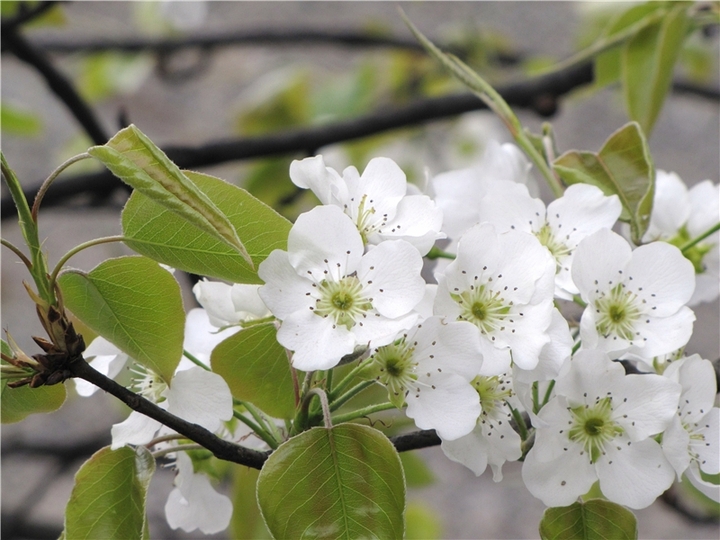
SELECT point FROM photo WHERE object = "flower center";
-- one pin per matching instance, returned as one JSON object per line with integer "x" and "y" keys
{"x": 557, "y": 249}
{"x": 592, "y": 427}
{"x": 484, "y": 308}
{"x": 696, "y": 253}
{"x": 343, "y": 300}
{"x": 148, "y": 384}
{"x": 395, "y": 367}
{"x": 493, "y": 392}
{"x": 617, "y": 313}
{"x": 365, "y": 220}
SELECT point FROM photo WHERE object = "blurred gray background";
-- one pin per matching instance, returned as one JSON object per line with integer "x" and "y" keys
{"x": 36, "y": 487}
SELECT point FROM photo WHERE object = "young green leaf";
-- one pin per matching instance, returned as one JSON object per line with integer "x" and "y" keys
{"x": 17, "y": 403}
{"x": 109, "y": 495}
{"x": 596, "y": 519}
{"x": 647, "y": 64}
{"x": 133, "y": 303}
{"x": 623, "y": 167}
{"x": 158, "y": 233}
{"x": 133, "y": 157}
{"x": 257, "y": 369}
{"x": 247, "y": 522}
{"x": 343, "y": 482}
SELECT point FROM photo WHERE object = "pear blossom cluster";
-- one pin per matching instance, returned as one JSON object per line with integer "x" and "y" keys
{"x": 483, "y": 346}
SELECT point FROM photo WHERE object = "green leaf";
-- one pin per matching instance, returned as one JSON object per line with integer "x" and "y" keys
{"x": 247, "y": 522}
{"x": 417, "y": 473}
{"x": 343, "y": 482}
{"x": 19, "y": 122}
{"x": 133, "y": 303}
{"x": 162, "y": 235}
{"x": 133, "y": 157}
{"x": 17, "y": 403}
{"x": 256, "y": 368}
{"x": 423, "y": 522}
{"x": 647, "y": 64}
{"x": 607, "y": 64}
{"x": 596, "y": 519}
{"x": 109, "y": 495}
{"x": 623, "y": 167}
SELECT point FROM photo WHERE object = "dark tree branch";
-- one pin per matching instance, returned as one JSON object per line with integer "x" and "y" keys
{"x": 674, "y": 501}
{"x": 539, "y": 94}
{"x": 60, "y": 85}
{"x": 685, "y": 87}
{"x": 221, "y": 448}
{"x": 26, "y": 13}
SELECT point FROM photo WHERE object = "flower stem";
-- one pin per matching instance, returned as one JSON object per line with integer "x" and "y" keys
{"x": 535, "y": 397}
{"x": 700, "y": 238}
{"x": 355, "y": 390}
{"x": 78, "y": 249}
{"x": 437, "y": 253}
{"x": 363, "y": 412}
{"x": 320, "y": 393}
{"x": 548, "y": 392}
{"x": 195, "y": 361}
{"x": 520, "y": 421}
{"x": 16, "y": 251}
{"x": 178, "y": 448}
{"x": 347, "y": 380}
{"x": 260, "y": 432}
{"x": 50, "y": 179}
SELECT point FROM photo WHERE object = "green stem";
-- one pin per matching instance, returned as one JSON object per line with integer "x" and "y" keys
{"x": 30, "y": 234}
{"x": 698, "y": 239}
{"x": 495, "y": 103}
{"x": 77, "y": 249}
{"x": 437, "y": 253}
{"x": 348, "y": 379}
{"x": 320, "y": 393}
{"x": 165, "y": 438}
{"x": 338, "y": 419}
{"x": 548, "y": 392}
{"x": 535, "y": 397}
{"x": 264, "y": 435}
{"x": 347, "y": 396}
{"x": 46, "y": 184}
{"x": 178, "y": 448}
{"x": 16, "y": 251}
{"x": 520, "y": 421}
{"x": 261, "y": 417}
{"x": 576, "y": 347}
{"x": 579, "y": 301}
{"x": 195, "y": 360}
{"x": 328, "y": 380}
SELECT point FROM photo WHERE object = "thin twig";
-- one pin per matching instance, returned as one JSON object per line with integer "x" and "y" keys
{"x": 60, "y": 85}
{"x": 534, "y": 94}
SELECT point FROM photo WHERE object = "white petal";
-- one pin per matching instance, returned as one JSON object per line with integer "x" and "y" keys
{"x": 635, "y": 475}
{"x": 664, "y": 335}
{"x": 417, "y": 221}
{"x": 582, "y": 210}
{"x": 675, "y": 445}
{"x": 706, "y": 488}
{"x": 195, "y": 504}
{"x": 376, "y": 330}
{"x": 553, "y": 354}
{"x": 645, "y": 404}
{"x": 671, "y": 206}
{"x": 705, "y": 207}
{"x": 284, "y": 292}
{"x": 200, "y": 397}
{"x": 699, "y": 387}
{"x": 384, "y": 184}
{"x": 561, "y": 481}
{"x": 316, "y": 341}
{"x": 454, "y": 346}
{"x": 662, "y": 276}
{"x": 391, "y": 275}
{"x": 708, "y": 449}
{"x": 215, "y": 297}
{"x": 135, "y": 429}
{"x": 470, "y": 450}
{"x": 590, "y": 376}
{"x": 324, "y": 242}
{"x": 508, "y": 206}
{"x": 445, "y": 402}
{"x": 101, "y": 347}
{"x": 247, "y": 302}
{"x": 324, "y": 182}
{"x": 530, "y": 336}
{"x": 201, "y": 337}
{"x": 108, "y": 365}
{"x": 597, "y": 262}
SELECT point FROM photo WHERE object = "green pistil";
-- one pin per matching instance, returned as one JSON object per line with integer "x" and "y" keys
{"x": 593, "y": 427}
{"x": 483, "y": 308}
{"x": 617, "y": 313}
{"x": 694, "y": 254}
{"x": 342, "y": 300}
{"x": 394, "y": 364}
{"x": 363, "y": 221}
{"x": 493, "y": 392}
{"x": 556, "y": 248}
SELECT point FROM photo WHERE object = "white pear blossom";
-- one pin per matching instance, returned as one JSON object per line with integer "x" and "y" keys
{"x": 458, "y": 193}
{"x": 599, "y": 426}
{"x": 679, "y": 215}
{"x": 104, "y": 357}
{"x": 430, "y": 368}
{"x": 493, "y": 441}
{"x": 332, "y": 298}
{"x": 503, "y": 284}
{"x": 692, "y": 442}
{"x": 581, "y": 211}
{"x": 635, "y": 298}
{"x": 230, "y": 304}
{"x": 378, "y": 201}
{"x": 194, "y": 504}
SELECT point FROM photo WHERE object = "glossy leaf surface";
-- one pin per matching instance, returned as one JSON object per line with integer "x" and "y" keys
{"x": 133, "y": 303}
